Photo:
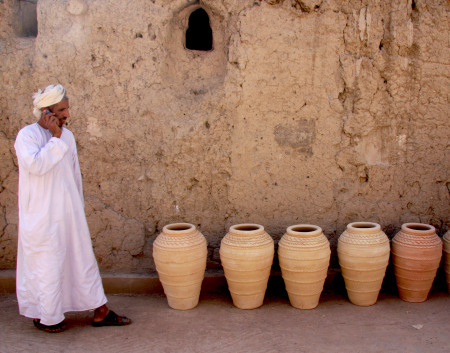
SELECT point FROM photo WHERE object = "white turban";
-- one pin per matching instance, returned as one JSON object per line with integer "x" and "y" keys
{"x": 45, "y": 98}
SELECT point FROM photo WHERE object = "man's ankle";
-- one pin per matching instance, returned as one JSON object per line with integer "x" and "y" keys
{"x": 101, "y": 312}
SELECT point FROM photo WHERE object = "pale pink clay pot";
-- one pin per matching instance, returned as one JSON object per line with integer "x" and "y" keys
{"x": 363, "y": 251}
{"x": 416, "y": 252}
{"x": 304, "y": 256}
{"x": 246, "y": 253}
{"x": 446, "y": 240}
{"x": 180, "y": 253}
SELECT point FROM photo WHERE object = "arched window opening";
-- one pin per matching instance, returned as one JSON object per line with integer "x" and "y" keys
{"x": 199, "y": 34}
{"x": 25, "y": 24}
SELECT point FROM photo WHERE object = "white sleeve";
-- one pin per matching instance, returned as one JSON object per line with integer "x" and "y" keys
{"x": 36, "y": 159}
{"x": 77, "y": 172}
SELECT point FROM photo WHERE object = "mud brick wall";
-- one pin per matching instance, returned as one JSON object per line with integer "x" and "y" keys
{"x": 317, "y": 111}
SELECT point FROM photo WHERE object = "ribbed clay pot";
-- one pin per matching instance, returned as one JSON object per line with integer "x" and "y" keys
{"x": 247, "y": 253}
{"x": 180, "y": 258}
{"x": 363, "y": 252}
{"x": 446, "y": 240}
{"x": 304, "y": 256}
{"x": 417, "y": 252}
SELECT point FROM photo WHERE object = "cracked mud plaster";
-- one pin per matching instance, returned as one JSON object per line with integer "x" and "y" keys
{"x": 299, "y": 137}
{"x": 322, "y": 112}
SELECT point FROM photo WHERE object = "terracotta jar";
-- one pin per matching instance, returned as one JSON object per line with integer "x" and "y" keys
{"x": 247, "y": 253}
{"x": 446, "y": 240}
{"x": 304, "y": 256}
{"x": 363, "y": 252}
{"x": 180, "y": 258}
{"x": 417, "y": 252}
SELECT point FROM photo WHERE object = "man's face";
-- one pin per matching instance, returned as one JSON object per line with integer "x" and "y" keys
{"x": 61, "y": 111}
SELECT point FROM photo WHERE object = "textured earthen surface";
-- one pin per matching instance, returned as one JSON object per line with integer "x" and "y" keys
{"x": 335, "y": 326}
{"x": 321, "y": 112}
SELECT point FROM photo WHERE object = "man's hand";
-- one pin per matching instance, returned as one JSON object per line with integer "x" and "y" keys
{"x": 49, "y": 121}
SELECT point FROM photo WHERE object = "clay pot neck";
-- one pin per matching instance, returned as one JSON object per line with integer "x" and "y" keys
{"x": 418, "y": 229}
{"x": 247, "y": 229}
{"x": 363, "y": 227}
{"x": 304, "y": 230}
{"x": 178, "y": 229}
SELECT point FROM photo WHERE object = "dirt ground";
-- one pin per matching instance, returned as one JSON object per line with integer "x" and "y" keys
{"x": 336, "y": 325}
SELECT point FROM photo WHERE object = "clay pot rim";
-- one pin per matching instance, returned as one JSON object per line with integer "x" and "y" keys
{"x": 178, "y": 228}
{"x": 418, "y": 228}
{"x": 363, "y": 227}
{"x": 307, "y": 230}
{"x": 254, "y": 229}
{"x": 446, "y": 236}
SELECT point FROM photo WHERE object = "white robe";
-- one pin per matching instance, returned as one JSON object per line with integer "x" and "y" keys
{"x": 56, "y": 268}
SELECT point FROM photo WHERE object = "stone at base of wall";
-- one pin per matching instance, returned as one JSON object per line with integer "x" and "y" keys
{"x": 213, "y": 283}
{"x": 135, "y": 283}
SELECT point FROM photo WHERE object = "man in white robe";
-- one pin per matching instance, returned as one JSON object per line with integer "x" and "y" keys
{"x": 56, "y": 268}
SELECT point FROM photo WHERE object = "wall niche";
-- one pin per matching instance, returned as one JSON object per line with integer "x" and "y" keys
{"x": 195, "y": 53}
{"x": 199, "y": 35}
{"x": 25, "y": 18}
